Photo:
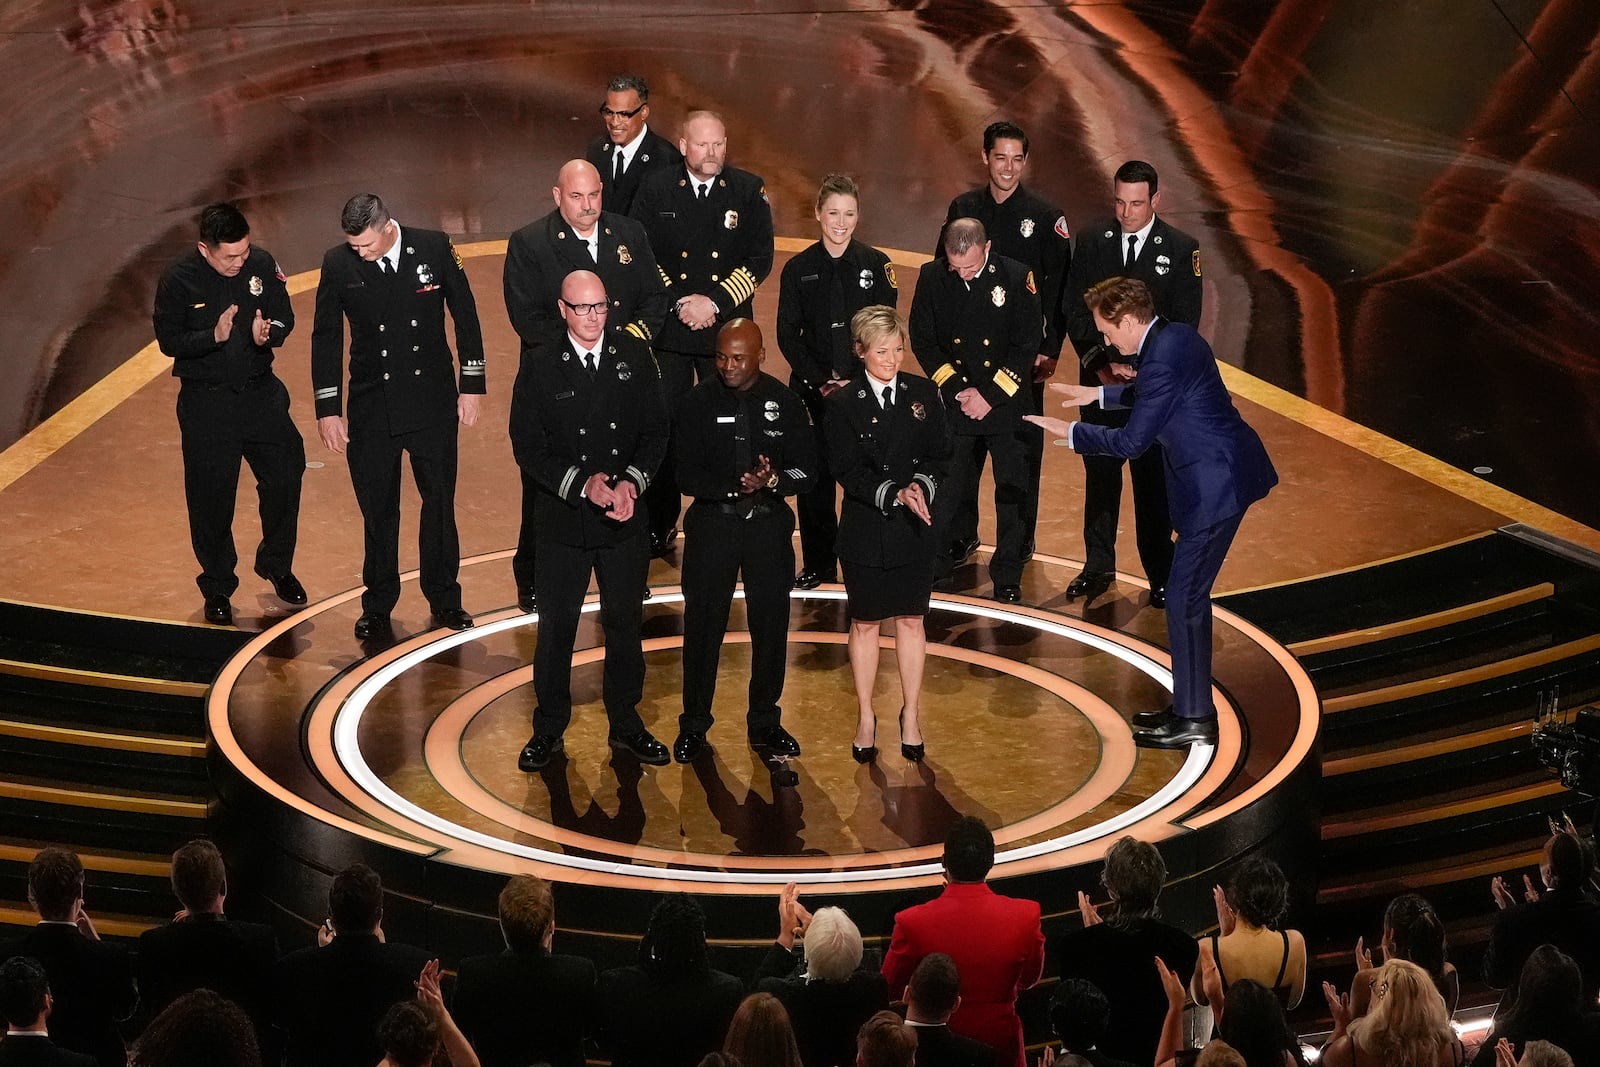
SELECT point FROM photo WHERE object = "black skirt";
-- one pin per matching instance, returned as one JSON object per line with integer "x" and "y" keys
{"x": 884, "y": 592}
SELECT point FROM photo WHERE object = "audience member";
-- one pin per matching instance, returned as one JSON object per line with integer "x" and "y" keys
{"x": 25, "y": 1003}
{"x": 1534, "y": 1054}
{"x": 1254, "y": 1024}
{"x": 829, "y": 992}
{"x": 413, "y": 1033}
{"x": 931, "y": 998}
{"x": 198, "y": 1029}
{"x": 886, "y": 1041}
{"x": 671, "y": 1008}
{"x": 1411, "y": 931}
{"x": 760, "y": 1035}
{"x": 1218, "y": 1053}
{"x": 995, "y": 941}
{"x": 1564, "y": 916}
{"x": 493, "y": 992}
{"x": 331, "y": 996}
{"x": 1080, "y": 1015}
{"x": 1114, "y": 952}
{"x": 1248, "y": 943}
{"x": 1406, "y": 1027}
{"x": 1547, "y": 1004}
{"x": 202, "y": 949}
{"x": 91, "y": 982}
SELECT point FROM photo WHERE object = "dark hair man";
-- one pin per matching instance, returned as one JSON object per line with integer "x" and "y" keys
{"x": 220, "y": 310}
{"x": 629, "y": 149}
{"x": 932, "y": 996}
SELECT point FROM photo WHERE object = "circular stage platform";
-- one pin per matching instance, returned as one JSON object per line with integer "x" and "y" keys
{"x": 405, "y": 756}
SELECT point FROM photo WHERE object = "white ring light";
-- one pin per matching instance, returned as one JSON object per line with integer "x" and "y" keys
{"x": 347, "y": 722}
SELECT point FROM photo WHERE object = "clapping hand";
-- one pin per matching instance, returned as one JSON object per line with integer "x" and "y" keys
{"x": 1171, "y": 984}
{"x": 757, "y": 477}
{"x": 260, "y": 329}
{"x": 1226, "y": 919}
{"x": 1338, "y": 1006}
{"x": 1091, "y": 915}
{"x": 1363, "y": 957}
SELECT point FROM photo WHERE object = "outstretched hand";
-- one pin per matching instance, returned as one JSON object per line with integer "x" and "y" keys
{"x": 1058, "y": 427}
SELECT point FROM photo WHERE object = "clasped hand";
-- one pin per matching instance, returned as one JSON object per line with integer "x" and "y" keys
{"x": 616, "y": 500}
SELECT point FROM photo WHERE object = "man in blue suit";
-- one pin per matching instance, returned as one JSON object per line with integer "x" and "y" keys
{"x": 1216, "y": 468}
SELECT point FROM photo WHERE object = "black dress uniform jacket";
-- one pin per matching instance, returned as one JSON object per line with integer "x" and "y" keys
{"x": 566, "y": 426}
{"x": 874, "y": 457}
{"x": 398, "y": 352}
{"x": 721, "y": 247}
{"x": 654, "y": 153}
{"x": 92, "y": 983}
{"x": 814, "y": 323}
{"x": 1169, "y": 263}
{"x": 775, "y": 425}
{"x": 191, "y": 296}
{"x": 541, "y": 255}
{"x": 983, "y": 334}
{"x": 1031, "y": 231}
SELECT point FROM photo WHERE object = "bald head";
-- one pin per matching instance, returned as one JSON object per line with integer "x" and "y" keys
{"x": 577, "y": 195}
{"x": 740, "y": 350}
{"x": 583, "y": 306}
{"x": 704, "y": 144}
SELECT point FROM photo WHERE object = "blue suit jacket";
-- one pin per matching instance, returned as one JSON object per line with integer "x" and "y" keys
{"x": 1216, "y": 465}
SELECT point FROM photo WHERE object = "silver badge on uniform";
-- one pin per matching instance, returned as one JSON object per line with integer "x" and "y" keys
{"x": 1108, "y": 233}
{"x": 623, "y": 373}
{"x": 998, "y": 295}
{"x": 255, "y": 285}
{"x": 1162, "y": 268}
{"x": 1163, "y": 259}
{"x": 1158, "y": 239}
{"x": 770, "y": 410}
{"x": 730, "y": 220}
{"x": 866, "y": 278}
{"x": 645, "y": 158}
{"x": 424, "y": 274}
{"x": 1027, "y": 227}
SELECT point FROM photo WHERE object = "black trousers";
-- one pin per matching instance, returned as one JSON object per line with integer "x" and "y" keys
{"x": 679, "y": 372}
{"x": 522, "y": 562}
{"x": 1102, "y": 505}
{"x": 561, "y": 580}
{"x": 964, "y": 524}
{"x": 717, "y": 549}
{"x": 1007, "y": 452}
{"x": 818, "y": 506}
{"x": 374, "y": 455}
{"x": 220, "y": 425}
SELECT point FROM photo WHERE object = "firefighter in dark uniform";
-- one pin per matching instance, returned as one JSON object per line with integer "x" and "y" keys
{"x": 711, "y": 228}
{"x": 1168, "y": 261}
{"x": 588, "y": 422}
{"x": 219, "y": 312}
{"x": 744, "y": 442}
{"x": 975, "y": 328}
{"x": 819, "y": 291}
{"x": 630, "y": 149}
{"x": 1034, "y": 232}
{"x": 577, "y": 235}
{"x": 393, "y": 285}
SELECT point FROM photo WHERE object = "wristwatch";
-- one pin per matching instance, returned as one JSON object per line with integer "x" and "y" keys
{"x": 772, "y": 482}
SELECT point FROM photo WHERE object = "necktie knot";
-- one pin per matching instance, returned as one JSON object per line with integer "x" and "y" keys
{"x": 1133, "y": 250}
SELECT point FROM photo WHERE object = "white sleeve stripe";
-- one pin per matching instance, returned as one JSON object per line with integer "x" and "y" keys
{"x": 639, "y": 476}
{"x": 566, "y": 482}
{"x": 328, "y": 393}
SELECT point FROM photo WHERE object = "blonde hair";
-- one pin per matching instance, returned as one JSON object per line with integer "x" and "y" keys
{"x": 1407, "y": 1025}
{"x": 872, "y": 324}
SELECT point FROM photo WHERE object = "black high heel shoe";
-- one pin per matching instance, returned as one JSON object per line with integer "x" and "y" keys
{"x": 867, "y": 754}
{"x": 910, "y": 753}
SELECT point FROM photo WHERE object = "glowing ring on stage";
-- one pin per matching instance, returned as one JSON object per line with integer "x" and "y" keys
{"x": 347, "y": 721}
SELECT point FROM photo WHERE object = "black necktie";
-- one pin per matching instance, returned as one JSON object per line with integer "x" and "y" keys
{"x": 591, "y": 363}
{"x": 383, "y": 265}
{"x": 1133, "y": 250}
{"x": 616, "y": 165}
{"x": 888, "y": 398}
{"x": 699, "y": 191}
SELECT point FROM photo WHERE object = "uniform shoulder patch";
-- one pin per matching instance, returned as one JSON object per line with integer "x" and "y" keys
{"x": 278, "y": 271}
{"x": 457, "y": 257}
{"x": 764, "y": 194}
{"x": 1062, "y": 230}
{"x": 1194, "y": 260}
{"x": 888, "y": 272}
{"x": 1034, "y": 289}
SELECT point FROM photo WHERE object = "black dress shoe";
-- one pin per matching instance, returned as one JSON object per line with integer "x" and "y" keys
{"x": 812, "y": 579}
{"x": 961, "y": 551}
{"x": 863, "y": 755}
{"x": 910, "y": 753}
{"x": 644, "y": 746}
{"x": 219, "y": 611}
{"x": 453, "y": 619}
{"x": 526, "y": 600}
{"x": 1158, "y": 596}
{"x": 775, "y": 740}
{"x": 1179, "y": 733}
{"x": 373, "y": 624}
{"x": 1090, "y": 584}
{"x": 539, "y": 750}
{"x": 661, "y": 544}
{"x": 286, "y": 587}
{"x": 1008, "y": 594}
{"x": 1154, "y": 720}
{"x": 688, "y": 747}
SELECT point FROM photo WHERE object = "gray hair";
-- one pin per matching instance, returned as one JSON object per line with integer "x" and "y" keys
{"x": 363, "y": 212}
{"x": 833, "y": 946}
{"x": 962, "y": 235}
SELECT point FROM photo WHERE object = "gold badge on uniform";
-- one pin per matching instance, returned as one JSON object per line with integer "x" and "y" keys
{"x": 918, "y": 412}
{"x": 888, "y": 272}
{"x": 730, "y": 220}
{"x": 255, "y": 285}
{"x": 1195, "y": 259}
{"x": 1027, "y": 227}
{"x": 998, "y": 295}
{"x": 623, "y": 255}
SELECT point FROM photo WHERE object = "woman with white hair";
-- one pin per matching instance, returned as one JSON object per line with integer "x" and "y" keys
{"x": 817, "y": 968}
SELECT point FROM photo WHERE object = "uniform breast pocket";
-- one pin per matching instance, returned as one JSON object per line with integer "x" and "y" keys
{"x": 200, "y": 316}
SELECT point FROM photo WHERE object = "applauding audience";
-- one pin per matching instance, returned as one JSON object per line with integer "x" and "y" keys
{"x": 1407, "y": 1025}
{"x": 1547, "y": 1004}
{"x": 1247, "y": 943}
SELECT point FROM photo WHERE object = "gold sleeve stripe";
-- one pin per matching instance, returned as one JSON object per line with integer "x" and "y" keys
{"x": 740, "y": 285}
{"x": 638, "y": 330}
{"x": 943, "y": 374}
{"x": 1003, "y": 380}
{"x": 665, "y": 280}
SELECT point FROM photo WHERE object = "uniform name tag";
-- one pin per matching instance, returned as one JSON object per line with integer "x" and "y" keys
{"x": 725, "y": 418}
{"x": 569, "y": 394}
